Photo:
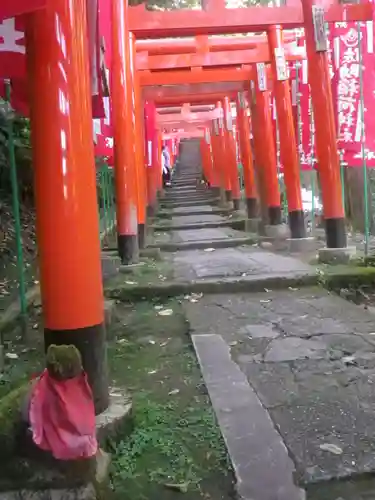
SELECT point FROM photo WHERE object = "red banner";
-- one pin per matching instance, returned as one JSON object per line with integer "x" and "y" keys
{"x": 12, "y": 8}
{"x": 353, "y": 47}
{"x": 302, "y": 113}
{"x": 12, "y": 48}
{"x": 13, "y": 61}
{"x": 103, "y": 129}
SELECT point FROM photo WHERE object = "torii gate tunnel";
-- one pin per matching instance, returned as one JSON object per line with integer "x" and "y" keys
{"x": 147, "y": 76}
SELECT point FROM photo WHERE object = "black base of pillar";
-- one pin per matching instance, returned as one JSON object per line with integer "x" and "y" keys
{"x": 142, "y": 233}
{"x": 297, "y": 224}
{"x": 252, "y": 208}
{"x": 236, "y": 204}
{"x": 151, "y": 211}
{"x": 274, "y": 216}
{"x": 228, "y": 195}
{"x": 335, "y": 233}
{"x": 128, "y": 248}
{"x": 91, "y": 343}
{"x": 215, "y": 191}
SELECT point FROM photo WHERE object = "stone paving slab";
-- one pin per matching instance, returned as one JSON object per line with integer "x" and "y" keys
{"x": 193, "y": 219}
{"x": 242, "y": 261}
{"x": 187, "y": 210}
{"x": 206, "y": 234}
{"x": 310, "y": 357}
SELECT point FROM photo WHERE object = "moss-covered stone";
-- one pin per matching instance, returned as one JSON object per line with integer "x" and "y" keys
{"x": 10, "y": 419}
{"x": 63, "y": 361}
{"x": 344, "y": 276}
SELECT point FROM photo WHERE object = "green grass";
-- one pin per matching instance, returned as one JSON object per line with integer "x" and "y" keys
{"x": 176, "y": 446}
{"x": 152, "y": 271}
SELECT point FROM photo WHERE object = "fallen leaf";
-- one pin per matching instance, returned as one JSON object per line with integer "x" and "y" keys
{"x": 181, "y": 487}
{"x": 349, "y": 360}
{"x": 265, "y": 301}
{"x": 11, "y": 355}
{"x": 166, "y": 312}
{"x": 122, "y": 341}
{"x": 173, "y": 392}
{"x": 332, "y": 448}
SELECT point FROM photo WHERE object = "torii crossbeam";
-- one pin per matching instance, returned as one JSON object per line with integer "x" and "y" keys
{"x": 218, "y": 20}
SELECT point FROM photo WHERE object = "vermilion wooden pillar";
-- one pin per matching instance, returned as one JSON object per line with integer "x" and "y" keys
{"x": 266, "y": 151}
{"x": 203, "y": 151}
{"x": 288, "y": 144}
{"x": 246, "y": 157}
{"x": 206, "y": 157}
{"x": 65, "y": 186}
{"x": 215, "y": 156}
{"x": 151, "y": 153}
{"x": 123, "y": 134}
{"x": 158, "y": 169}
{"x": 326, "y": 147}
{"x": 139, "y": 148}
{"x": 231, "y": 154}
{"x": 222, "y": 152}
{"x": 214, "y": 174}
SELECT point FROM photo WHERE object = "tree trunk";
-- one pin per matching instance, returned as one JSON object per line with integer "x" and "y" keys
{"x": 355, "y": 199}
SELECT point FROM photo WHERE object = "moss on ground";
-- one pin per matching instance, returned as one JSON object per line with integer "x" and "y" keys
{"x": 346, "y": 276}
{"x": 26, "y": 359}
{"x": 176, "y": 445}
{"x": 10, "y": 417}
{"x": 152, "y": 272}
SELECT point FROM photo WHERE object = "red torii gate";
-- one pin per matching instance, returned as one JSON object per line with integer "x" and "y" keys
{"x": 258, "y": 54}
{"x": 216, "y": 19}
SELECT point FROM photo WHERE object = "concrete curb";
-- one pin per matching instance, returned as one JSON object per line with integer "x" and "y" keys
{"x": 251, "y": 284}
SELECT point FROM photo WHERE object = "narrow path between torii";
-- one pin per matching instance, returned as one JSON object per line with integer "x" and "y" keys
{"x": 289, "y": 372}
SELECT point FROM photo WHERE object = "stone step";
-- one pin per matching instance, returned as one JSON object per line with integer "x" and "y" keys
{"x": 239, "y": 284}
{"x": 188, "y": 203}
{"x": 203, "y": 244}
{"x": 238, "y": 224}
{"x": 199, "y": 197}
{"x": 204, "y": 211}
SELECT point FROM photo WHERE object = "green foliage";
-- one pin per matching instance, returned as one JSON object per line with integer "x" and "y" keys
{"x": 21, "y": 131}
